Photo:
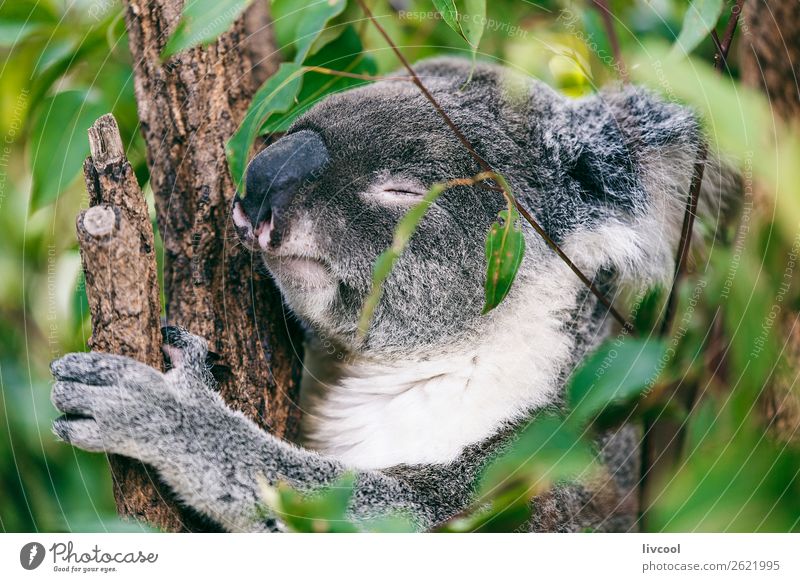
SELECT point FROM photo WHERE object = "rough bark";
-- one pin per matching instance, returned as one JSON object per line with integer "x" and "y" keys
{"x": 769, "y": 52}
{"x": 189, "y": 106}
{"x": 118, "y": 255}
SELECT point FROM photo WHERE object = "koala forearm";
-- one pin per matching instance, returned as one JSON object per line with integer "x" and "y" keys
{"x": 220, "y": 472}
{"x": 213, "y": 457}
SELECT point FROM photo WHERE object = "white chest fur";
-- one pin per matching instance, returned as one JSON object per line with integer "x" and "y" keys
{"x": 374, "y": 415}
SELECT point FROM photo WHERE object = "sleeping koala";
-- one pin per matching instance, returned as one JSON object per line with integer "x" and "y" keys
{"x": 421, "y": 403}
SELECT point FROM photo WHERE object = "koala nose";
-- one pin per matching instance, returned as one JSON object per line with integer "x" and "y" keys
{"x": 273, "y": 179}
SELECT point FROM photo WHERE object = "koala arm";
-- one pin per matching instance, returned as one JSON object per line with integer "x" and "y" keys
{"x": 210, "y": 455}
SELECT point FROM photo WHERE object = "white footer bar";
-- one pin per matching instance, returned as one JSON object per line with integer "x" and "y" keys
{"x": 285, "y": 557}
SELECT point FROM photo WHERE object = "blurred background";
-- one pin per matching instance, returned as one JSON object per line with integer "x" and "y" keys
{"x": 722, "y": 418}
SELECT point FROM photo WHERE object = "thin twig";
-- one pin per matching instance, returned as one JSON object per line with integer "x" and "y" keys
{"x": 686, "y": 235}
{"x": 608, "y": 23}
{"x": 364, "y": 77}
{"x": 486, "y": 167}
{"x": 720, "y": 58}
{"x": 718, "y": 45}
{"x": 727, "y": 39}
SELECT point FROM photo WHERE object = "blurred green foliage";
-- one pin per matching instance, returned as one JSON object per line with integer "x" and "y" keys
{"x": 66, "y": 61}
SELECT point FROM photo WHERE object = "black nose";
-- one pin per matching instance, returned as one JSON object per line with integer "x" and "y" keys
{"x": 277, "y": 173}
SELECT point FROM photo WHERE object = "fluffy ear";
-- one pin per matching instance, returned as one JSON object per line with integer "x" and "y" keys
{"x": 633, "y": 157}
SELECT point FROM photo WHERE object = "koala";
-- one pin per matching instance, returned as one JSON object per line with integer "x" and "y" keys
{"x": 421, "y": 403}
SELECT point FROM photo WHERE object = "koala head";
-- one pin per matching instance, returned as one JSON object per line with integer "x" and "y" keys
{"x": 606, "y": 177}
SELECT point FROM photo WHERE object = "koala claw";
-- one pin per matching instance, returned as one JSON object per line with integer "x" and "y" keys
{"x": 81, "y": 432}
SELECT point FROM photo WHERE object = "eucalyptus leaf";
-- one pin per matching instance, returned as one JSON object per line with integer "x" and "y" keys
{"x": 505, "y": 249}
{"x": 616, "y": 373}
{"x": 546, "y": 451}
{"x": 276, "y": 95}
{"x": 738, "y": 480}
{"x": 21, "y": 18}
{"x": 387, "y": 259}
{"x": 466, "y": 17}
{"x": 449, "y": 12}
{"x": 324, "y": 511}
{"x": 751, "y": 311}
{"x": 59, "y": 142}
{"x": 344, "y": 53}
{"x": 492, "y": 517}
{"x": 700, "y": 18}
{"x": 315, "y": 16}
{"x": 202, "y": 22}
{"x": 473, "y": 21}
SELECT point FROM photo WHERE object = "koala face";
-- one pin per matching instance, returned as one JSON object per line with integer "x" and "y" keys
{"x": 322, "y": 202}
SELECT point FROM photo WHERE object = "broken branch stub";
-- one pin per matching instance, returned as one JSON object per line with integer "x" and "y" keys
{"x": 117, "y": 252}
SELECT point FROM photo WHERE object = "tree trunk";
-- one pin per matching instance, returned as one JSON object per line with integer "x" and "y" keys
{"x": 188, "y": 107}
{"x": 769, "y": 52}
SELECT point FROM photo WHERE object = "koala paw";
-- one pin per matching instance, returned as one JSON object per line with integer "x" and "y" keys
{"x": 184, "y": 349}
{"x": 117, "y": 405}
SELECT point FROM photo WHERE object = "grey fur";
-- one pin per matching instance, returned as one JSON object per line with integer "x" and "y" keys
{"x": 577, "y": 165}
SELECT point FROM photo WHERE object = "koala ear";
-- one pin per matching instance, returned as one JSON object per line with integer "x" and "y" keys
{"x": 631, "y": 160}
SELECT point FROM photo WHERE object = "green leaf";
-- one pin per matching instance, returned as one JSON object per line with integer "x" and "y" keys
{"x": 59, "y": 57}
{"x": 59, "y": 142}
{"x": 617, "y": 372}
{"x": 286, "y": 16}
{"x": 466, "y": 17}
{"x": 202, "y": 21}
{"x": 492, "y": 517}
{"x": 546, "y": 451}
{"x": 739, "y": 480}
{"x": 324, "y": 511}
{"x": 344, "y": 53}
{"x": 387, "y": 259}
{"x": 752, "y": 308}
{"x": 701, "y": 425}
{"x": 276, "y": 95}
{"x": 473, "y": 20}
{"x": 300, "y": 27}
{"x": 21, "y": 18}
{"x": 397, "y": 523}
{"x": 700, "y": 18}
{"x": 449, "y": 12}
{"x": 505, "y": 248}
{"x": 315, "y": 17}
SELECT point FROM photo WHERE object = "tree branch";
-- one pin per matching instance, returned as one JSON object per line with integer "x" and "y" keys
{"x": 721, "y": 57}
{"x": 117, "y": 251}
{"x": 685, "y": 241}
{"x": 686, "y": 236}
{"x": 188, "y": 108}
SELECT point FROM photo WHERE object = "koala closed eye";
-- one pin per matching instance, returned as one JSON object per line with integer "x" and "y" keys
{"x": 395, "y": 192}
